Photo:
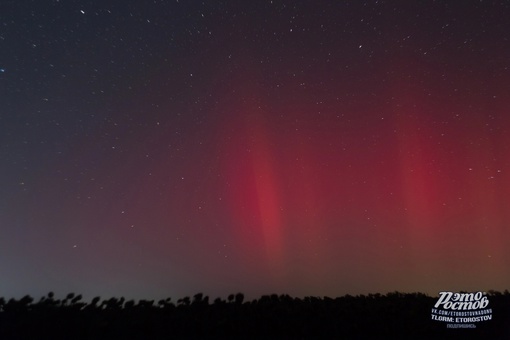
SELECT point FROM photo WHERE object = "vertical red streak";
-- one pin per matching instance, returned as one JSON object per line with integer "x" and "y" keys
{"x": 268, "y": 202}
{"x": 254, "y": 190}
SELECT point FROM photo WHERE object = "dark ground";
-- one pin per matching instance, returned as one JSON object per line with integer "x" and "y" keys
{"x": 391, "y": 316}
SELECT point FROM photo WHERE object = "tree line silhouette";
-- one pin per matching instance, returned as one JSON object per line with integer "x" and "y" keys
{"x": 393, "y": 315}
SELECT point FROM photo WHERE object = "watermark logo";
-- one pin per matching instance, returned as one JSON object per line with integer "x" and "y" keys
{"x": 462, "y": 310}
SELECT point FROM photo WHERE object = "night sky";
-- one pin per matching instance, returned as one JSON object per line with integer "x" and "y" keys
{"x": 164, "y": 148}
